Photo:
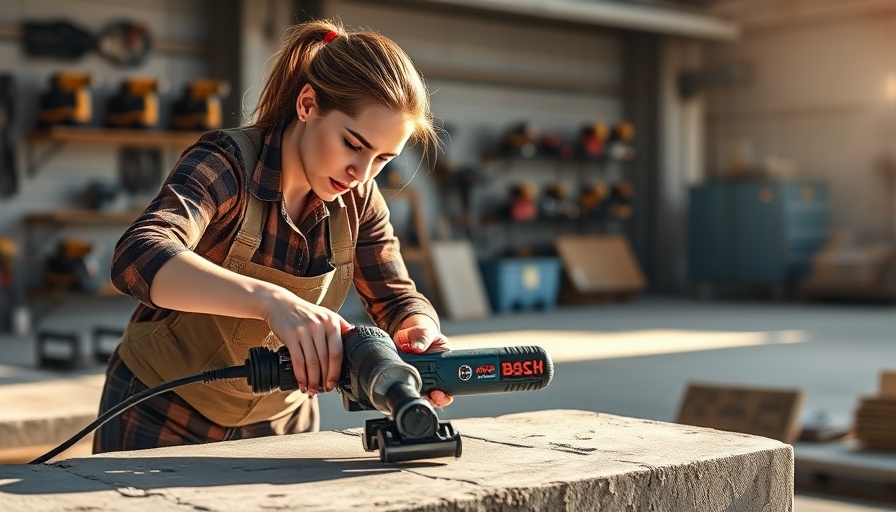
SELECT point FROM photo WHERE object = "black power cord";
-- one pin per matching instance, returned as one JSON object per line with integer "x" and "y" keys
{"x": 264, "y": 370}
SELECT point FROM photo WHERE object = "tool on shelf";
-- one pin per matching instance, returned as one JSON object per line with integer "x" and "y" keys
{"x": 68, "y": 101}
{"x": 200, "y": 106}
{"x": 72, "y": 266}
{"x": 135, "y": 105}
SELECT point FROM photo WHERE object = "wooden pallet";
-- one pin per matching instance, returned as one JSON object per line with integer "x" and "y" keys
{"x": 875, "y": 417}
{"x": 864, "y": 465}
{"x": 845, "y": 468}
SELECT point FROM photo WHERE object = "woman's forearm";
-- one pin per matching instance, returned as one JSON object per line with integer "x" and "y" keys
{"x": 189, "y": 282}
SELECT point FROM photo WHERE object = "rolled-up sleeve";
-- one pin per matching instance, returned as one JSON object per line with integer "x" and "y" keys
{"x": 199, "y": 190}
{"x": 381, "y": 276}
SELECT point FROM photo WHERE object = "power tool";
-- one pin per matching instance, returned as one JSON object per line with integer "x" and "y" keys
{"x": 68, "y": 101}
{"x": 200, "y": 106}
{"x": 375, "y": 376}
{"x": 136, "y": 105}
{"x": 71, "y": 267}
{"x": 124, "y": 43}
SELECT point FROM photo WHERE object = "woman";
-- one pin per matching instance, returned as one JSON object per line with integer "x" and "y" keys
{"x": 235, "y": 253}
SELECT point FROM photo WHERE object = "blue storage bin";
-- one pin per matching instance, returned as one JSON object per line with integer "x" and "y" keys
{"x": 522, "y": 283}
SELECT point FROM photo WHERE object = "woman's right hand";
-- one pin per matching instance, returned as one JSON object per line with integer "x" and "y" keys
{"x": 313, "y": 336}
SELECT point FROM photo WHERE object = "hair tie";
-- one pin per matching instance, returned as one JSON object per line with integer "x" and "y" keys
{"x": 330, "y": 36}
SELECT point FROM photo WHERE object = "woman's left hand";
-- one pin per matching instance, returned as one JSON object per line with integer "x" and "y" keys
{"x": 419, "y": 334}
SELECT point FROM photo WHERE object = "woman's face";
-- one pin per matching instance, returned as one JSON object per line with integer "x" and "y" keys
{"x": 339, "y": 152}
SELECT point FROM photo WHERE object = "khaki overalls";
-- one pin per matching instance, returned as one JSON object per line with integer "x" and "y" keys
{"x": 185, "y": 344}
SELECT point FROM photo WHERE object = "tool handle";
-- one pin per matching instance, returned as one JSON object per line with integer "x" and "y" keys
{"x": 481, "y": 371}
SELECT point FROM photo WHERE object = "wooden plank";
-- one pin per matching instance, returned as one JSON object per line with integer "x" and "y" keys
{"x": 600, "y": 263}
{"x": 124, "y": 136}
{"x": 875, "y": 417}
{"x": 82, "y": 216}
{"x": 772, "y": 413}
{"x": 461, "y": 288}
{"x": 888, "y": 384}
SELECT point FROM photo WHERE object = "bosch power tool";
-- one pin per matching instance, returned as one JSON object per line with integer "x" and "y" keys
{"x": 375, "y": 376}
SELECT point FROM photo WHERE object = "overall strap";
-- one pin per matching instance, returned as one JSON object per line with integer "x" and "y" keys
{"x": 248, "y": 139}
{"x": 248, "y": 238}
{"x": 342, "y": 246}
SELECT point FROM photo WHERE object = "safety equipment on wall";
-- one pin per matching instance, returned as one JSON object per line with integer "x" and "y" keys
{"x": 124, "y": 43}
{"x": 59, "y": 39}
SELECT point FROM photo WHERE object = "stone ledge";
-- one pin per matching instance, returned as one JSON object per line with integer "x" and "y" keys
{"x": 547, "y": 460}
{"x": 47, "y": 412}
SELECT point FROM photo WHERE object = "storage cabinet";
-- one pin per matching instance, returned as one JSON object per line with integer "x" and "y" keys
{"x": 755, "y": 232}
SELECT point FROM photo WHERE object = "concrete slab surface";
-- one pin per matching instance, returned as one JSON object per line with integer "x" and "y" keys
{"x": 548, "y": 460}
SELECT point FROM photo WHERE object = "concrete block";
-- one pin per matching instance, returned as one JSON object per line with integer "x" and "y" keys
{"x": 557, "y": 460}
{"x": 47, "y": 412}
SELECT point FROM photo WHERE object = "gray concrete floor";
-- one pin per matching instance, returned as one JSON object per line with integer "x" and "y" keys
{"x": 833, "y": 353}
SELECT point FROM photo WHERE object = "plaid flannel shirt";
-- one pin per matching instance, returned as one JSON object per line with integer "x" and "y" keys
{"x": 200, "y": 208}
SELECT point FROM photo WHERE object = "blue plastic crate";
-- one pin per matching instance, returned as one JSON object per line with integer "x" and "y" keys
{"x": 522, "y": 283}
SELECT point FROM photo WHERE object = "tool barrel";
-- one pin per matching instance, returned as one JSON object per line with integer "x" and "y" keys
{"x": 481, "y": 371}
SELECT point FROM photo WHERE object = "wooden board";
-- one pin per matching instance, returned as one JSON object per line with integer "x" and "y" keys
{"x": 875, "y": 422}
{"x": 600, "y": 263}
{"x": 888, "y": 383}
{"x": 772, "y": 413}
{"x": 462, "y": 291}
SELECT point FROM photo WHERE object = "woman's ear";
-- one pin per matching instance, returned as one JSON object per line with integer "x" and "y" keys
{"x": 305, "y": 102}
